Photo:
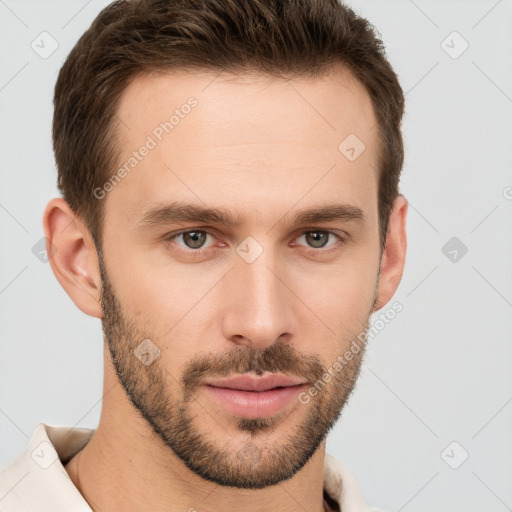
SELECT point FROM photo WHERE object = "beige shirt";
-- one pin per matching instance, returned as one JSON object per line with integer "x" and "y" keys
{"x": 37, "y": 481}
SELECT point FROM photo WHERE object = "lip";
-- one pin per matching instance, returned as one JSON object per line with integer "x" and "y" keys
{"x": 255, "y": 383}
{"x": 255, "y": 397}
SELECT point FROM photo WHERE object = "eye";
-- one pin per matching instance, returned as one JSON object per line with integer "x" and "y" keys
{"x": 196, "y": 239}
{"x": 319, "y": 239}
{"x": 192, "y": 239}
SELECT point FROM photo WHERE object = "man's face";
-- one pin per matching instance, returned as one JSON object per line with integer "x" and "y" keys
{"x": 268, "y": 293}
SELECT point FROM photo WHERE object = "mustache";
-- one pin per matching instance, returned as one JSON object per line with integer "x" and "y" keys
{"x": 280, "y": 357}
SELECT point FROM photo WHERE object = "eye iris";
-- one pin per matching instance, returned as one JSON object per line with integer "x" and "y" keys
{"x": 317, "y": 238}
{"x": 194, "y": 239}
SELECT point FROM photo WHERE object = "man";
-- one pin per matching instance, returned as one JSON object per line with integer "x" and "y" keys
{"x": 230, "y": 211}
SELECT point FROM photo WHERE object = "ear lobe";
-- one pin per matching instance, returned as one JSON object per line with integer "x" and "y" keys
{"x": 72, "y": 256}
{"x": 393, "y": 257}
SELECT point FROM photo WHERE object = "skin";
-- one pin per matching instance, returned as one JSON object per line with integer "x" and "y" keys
{"x": 263, "y": 149}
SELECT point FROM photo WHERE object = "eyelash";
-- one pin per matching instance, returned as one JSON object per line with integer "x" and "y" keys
{"x": 172, "y": 237}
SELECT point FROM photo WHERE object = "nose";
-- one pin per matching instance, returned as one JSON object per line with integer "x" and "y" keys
{"x": 261, "y": 308}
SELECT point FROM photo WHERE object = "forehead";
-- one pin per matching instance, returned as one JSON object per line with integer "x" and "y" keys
{"x": 243, "y": 106}
{"x": 244, "y": 140}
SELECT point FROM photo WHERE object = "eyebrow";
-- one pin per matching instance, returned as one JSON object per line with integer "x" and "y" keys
{"x": 178, "y": 212}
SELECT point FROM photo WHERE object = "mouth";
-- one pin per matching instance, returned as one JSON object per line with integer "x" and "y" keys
{"x": 254, "y": 383}
{"x": 258, "y": 397}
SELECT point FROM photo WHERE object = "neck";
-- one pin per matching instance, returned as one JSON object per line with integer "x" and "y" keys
{"x": 125, "y": 462}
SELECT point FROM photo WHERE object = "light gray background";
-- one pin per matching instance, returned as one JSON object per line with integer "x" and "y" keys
{"x": 438, "y": 373}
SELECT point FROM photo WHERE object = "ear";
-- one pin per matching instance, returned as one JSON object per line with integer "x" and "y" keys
{"x": 72, "y": 256}
{"x": 393, "y": 256}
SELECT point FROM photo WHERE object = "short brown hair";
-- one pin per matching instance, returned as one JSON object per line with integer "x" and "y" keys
{"x": 275, "y": 37}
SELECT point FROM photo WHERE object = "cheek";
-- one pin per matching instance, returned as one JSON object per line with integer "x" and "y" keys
{"x": 159, "y": 293}
{"x": 171, "y": 304}
{"x": 342, "y": 298}
{"x": 341, "y": 286}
